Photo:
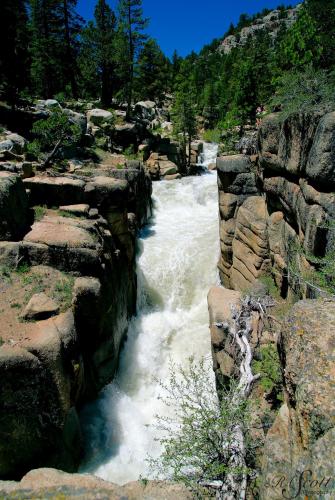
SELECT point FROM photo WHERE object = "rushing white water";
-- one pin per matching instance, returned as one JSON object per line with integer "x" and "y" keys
{"x": 176, "y": 266}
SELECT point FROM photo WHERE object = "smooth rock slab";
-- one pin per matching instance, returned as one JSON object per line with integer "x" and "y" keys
{"x": 40, "y": 306}
{"x": 80, "y": 209}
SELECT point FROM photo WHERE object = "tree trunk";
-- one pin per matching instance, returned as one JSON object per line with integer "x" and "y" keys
{"x": 235, "y": 484}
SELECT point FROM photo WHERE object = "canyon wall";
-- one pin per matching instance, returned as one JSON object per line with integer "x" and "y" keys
{"x": 68, "y": 290}
{"x": 278, "y": 200}
{"x": 272, "y": 204}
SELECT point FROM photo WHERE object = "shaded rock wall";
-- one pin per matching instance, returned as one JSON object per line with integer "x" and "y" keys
{"x": 63, "y": 361}
{"x": 276, "y": 200}
{"x": 268, "y": 203}
{"x": 301, "y": 440}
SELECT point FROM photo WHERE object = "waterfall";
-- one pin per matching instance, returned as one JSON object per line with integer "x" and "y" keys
{"x": 176, "y": 266}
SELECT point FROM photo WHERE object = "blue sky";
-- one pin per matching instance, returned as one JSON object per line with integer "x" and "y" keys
{"x": 188, "y": 25}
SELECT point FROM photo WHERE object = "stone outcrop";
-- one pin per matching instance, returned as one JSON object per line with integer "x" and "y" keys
{"x": 51, "y": 483}
{"x": 302, "y": 438}
{"x": 63, "y": 354}
{"x": 278, "y": 199}
{"x": 270, "y": 204}
{"x": 271, "y": 23}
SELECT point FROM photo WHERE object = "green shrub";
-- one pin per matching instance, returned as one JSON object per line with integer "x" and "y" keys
{"x": 39, "y": 212}
{"x": 195, "y": 434}
{"x": 212, "y": 135}
{"x": 52, "y": 134}
{"x": 62, "y": 292}
{"x": 304, "y": 91}
{"x": 23, "y": 268}
{"x": 270, "y": 369}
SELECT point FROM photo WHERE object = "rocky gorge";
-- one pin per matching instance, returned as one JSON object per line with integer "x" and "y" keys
{"x": 71, "y": 286}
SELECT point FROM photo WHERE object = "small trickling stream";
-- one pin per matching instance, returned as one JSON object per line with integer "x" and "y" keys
{"x": 176, "y": 266}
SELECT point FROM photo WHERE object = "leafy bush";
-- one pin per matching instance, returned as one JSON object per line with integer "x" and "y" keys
{"x": 197, "y": 436}
{"x": 269, "y": 369}
{"x": 53, "y": 133}
{"x": 213, "y": 135}
{"x": 305, "y": 91}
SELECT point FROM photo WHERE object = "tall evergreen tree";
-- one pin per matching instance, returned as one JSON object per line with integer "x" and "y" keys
{"x": 14, "y": 73}
{"x": 55, "y": 26}
{"x": 71, "y": 25}
{"x": 184, "y": 119}
{"x": 301, "y": 45}
{"x": 45, "y": 71}
{"x": 153, "y": 72}
{"x": 323, "y": 14}
{"x": 131, "y": 24}
{"x": 97, "y": 58}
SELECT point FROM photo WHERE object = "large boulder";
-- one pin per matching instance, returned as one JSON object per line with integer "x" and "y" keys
{"x": 38, "y": 424}
{"x": 55, "y": 191}
{"x": 52, "y": 483}
{"x": 14, "y": 211}
{"x": 39, "y": 307}
{"x": 78, "y": 119}
{"x": 73, "y": 245}
{"x": 145, "y": 110}
{"x": 99, "y": 117}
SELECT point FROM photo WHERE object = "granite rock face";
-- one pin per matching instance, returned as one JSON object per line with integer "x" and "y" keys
{"x": 281, "y": 198}
{"x": 272, "y": 23}
{"x": 269, "y": 204}
{"x": 87, "y": 233}
{"x": 302, "y": 436}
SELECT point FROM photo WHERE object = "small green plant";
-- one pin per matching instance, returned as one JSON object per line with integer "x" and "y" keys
{"x": 144, "y": 481}
{"x": 270, "y": 370}
{"x": 197, "y": 433}
{"x": 52, "y": 134}
{"x": 5, "y": 274}
{"x": 1, "y": 341}
{"x": 270, "y": 287}
{"x": 15, "y": 305}
{"x": 39, "y": 212}
{"x": 62, "y": 292}
{"x": 212, "y": 135}
{"x": 23, "y": 268}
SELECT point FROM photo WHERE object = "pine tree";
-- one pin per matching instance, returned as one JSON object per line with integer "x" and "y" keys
{"x": 44, "y": 67}
{"x": 54, "y": 29}
{"x": 131, "y": 24}
{"x": 98, "y": 57}
{"x": 153, "y": 72}
{"x": 184, "y": 120}
{"x": 301, "y": 45}
{"x": 323, "y": 14}
{"x": 14, "y": 73}
{"x": 71, "y": 25}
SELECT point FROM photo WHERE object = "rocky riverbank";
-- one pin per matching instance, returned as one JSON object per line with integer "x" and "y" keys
{"x": 68, "y": 290}
{"x": 271, "y": 203}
